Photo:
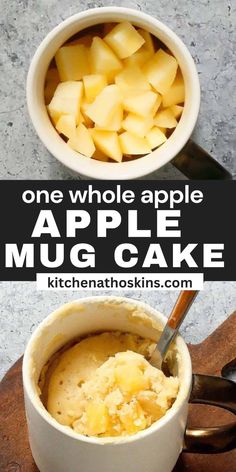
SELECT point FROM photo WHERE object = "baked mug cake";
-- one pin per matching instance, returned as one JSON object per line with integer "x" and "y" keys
{"x": 103, "y": 385}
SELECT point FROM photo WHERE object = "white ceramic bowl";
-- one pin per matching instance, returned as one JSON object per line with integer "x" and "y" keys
{"x": 49, "y": 136}
{"x": 57, "y": 448}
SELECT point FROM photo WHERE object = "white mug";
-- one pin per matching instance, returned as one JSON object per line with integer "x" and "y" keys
{"x": 57, "y": 448}
{"x": 192, "y": 160}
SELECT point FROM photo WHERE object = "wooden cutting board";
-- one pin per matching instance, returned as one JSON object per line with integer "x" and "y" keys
{"x": 209, "y": 357}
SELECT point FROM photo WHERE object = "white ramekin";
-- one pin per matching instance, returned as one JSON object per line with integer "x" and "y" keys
{"x": 55, "y": 144}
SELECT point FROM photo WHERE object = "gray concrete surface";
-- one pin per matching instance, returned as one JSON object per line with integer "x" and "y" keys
{"x": 22, "y": 307}
{"x": 206, "y": 26}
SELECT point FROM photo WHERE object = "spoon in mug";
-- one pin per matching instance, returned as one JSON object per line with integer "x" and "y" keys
{"x": 180, "y": 310}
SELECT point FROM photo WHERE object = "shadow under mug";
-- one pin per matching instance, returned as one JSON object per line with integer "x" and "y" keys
{"x": 185, "y": 155}
{"x": 156, "y": 449}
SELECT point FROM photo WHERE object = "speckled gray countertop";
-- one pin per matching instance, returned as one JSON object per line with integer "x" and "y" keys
{"x": 22, "y": 307}
{"x": 206, "y": 26}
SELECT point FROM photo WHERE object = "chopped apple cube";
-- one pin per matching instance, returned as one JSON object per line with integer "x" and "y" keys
{"x": 131, "y": 79}
{"x": 66, "y": 125}
{"x": 66, "y": 100}
{"x": 144, "y": 53}
{"x": 130, "y": 378}
{"x": 161, "y": 70}
{"x": 141, "y": 104}
{"x": 139, "y": 58}
{"x": 93, "y": 85}
{"x": 124, "y": 39}
{"x": 104, "y": 106}
{"x": 176, "y": 94}
{"x": 148, "y": 40}
{"x": 131, "y": 144}
{"x": 72, "y": 62}
{"x": 177, "y": 110}
{"x": 108, "y": 143}
{"x": 103, "y": 60}
{"x": 155, "y": 137}
{"x": 133, "y": 418}
{"x": 137, "y": 125}
{"x": 148, "y": 401}
{"x": 82, "y": 141}
{"x": 70, "y": 89}
{"x": 157, "y": 105}
{"x": 97, "y": 418}
{"x": 115, "y": 123}
{"x": 165, "y": 119}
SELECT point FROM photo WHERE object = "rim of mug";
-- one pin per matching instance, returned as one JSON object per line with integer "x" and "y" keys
{"x": 182, "y": 396}
{"x": 106, "y": 170}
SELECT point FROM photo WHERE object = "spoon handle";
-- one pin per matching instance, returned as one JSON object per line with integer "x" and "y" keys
{"x": 180, "y": 310}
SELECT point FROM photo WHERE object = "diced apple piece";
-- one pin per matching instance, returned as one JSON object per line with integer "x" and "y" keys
{"x": 161, "y": 70}
{"x": 103, "y": 60}
{"x": 97, "y": 418}
{"x": 148, "y": 401}
{"x": 144, "y": 53}
{"x": 70, "y": 89}
{"x": 108, "y": 143}
{"x": 66, "y": 101}
{"x": 157, "y": 105}
{"x": 93, "y": 85}
{"x": 155, "y": 137}
{"x": 130, "y": 378}
{"x": 176, "y": 94}
{"x": 139, "y": 58}
{"x": 83, "y": 107}
{"x": 115, "y": 123}
{"x": 165, "y": 119}
{"x": 131, "y": 79}
{"x": 82, "y": 141}
{"x": 137, "y": 125}
{"x": 72, "y": 62}
{"x": 177, "y": 110}
{"x": 131, "y": 144}
{"x": 99, "y": 156}
{"x": 124, "y": 39}
{"x": 104, "y": 106}
{"x": 66, "y": 125}
{"x": 141, "y": 104}
{"x": 148, "y": 40}
{"x": 86, "y": 40}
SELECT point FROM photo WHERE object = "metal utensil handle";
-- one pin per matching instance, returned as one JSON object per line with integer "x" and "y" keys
{"x": 180, "y": 310}
{"x": 177, "y": 316}
{"x": 197, "y": 164}
{"x": 217, "y": 391}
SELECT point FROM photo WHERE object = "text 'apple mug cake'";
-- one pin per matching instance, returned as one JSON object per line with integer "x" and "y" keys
{"x": 103, "y": 386}
{"x": 114, "y": 92}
